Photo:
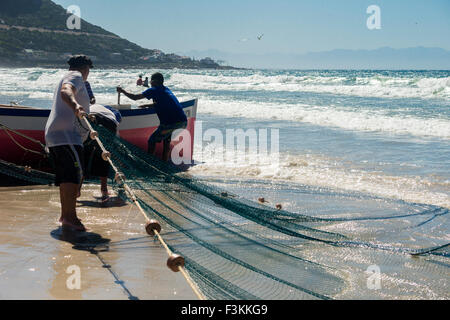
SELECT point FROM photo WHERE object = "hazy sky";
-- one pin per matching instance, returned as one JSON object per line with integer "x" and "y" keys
{"x": 289, "y": 26}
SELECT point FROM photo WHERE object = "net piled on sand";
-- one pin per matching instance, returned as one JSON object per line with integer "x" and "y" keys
{"x": 235, "y": 248}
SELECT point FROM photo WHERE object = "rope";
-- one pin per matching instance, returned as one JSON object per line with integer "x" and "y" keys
{"x": 430, "y": 250}
{"x": 23, "y": 135}
{"x": 7, "y": 129}
{"x": 120, "y": 176}
{"x": 22, "y": 147}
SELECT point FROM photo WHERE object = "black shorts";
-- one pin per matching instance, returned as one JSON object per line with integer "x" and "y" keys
{"x": 69, "y": 164}
{"x": 95, "y": 165}
{"x": 165, "y": 131}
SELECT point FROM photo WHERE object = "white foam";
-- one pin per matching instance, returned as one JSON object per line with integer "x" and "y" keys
{"x": 367, "y": 86}
{"x": 378, "y": 86}
{"x": 316, "y": 170}
{"x": 359, "y": 120}
{"x": 38, "y": 83}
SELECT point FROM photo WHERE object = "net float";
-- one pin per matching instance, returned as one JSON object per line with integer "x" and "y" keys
{"x": 119, "y": 178}
{"x": 151, "y": 226}
{"x": 174, "y": 262}
{"x": 106, "y": 155}
{"x": 93, "y": 135}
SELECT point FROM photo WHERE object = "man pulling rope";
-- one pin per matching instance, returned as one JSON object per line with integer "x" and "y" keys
{"x": 64, "y": 136}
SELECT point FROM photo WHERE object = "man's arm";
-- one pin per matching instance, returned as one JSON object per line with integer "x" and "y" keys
{"x": 68, "y": 93}
{"x": 130, "y": 95}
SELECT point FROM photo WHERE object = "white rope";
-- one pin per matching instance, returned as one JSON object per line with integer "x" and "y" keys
{"x": 120, "y": 176}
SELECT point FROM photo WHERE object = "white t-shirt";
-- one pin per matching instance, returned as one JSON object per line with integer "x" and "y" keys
{"x": 63, "y": 127}
{"x": 101, "y": 110}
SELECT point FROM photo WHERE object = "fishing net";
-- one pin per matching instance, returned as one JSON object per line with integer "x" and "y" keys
{"x": 27, "y": 174}
{"x": 236, "y": 248}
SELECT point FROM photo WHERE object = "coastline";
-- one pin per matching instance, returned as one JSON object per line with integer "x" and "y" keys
{"x": 164, "y": 65}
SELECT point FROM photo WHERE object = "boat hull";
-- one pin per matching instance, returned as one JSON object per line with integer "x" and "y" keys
{"x": 136, "y": 127}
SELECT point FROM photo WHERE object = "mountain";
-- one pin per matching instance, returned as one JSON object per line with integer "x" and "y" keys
{"x": 35, "y": 33}
{"x": 383, "y": 58}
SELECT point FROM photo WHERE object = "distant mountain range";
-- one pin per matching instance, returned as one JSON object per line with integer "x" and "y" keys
{"x": 35, "y": 33}
{"x": 383, "y": 58}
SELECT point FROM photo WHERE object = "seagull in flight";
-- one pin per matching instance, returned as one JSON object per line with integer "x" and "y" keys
{"x": 260, "y": 37}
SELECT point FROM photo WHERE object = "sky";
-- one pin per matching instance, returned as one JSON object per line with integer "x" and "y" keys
{"x": 289, "y": 26}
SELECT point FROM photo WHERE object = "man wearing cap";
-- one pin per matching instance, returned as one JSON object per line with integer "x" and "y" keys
{"x": 169, "y": 110}
{"x": 64, "y": 136}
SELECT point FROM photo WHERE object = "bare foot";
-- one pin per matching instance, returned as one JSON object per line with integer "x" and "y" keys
{"x": 75, "y": 225}
{"x": 105, "y": 195}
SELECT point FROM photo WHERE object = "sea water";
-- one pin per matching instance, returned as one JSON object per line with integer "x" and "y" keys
{"x": 386, "y": 133}
{"x": 351, "y": 143}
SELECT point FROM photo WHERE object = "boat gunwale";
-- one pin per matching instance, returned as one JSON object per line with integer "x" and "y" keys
{"x": 23, "y": 111}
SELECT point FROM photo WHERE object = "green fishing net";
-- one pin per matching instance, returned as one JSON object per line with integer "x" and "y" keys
{"x": 236, "y": 248}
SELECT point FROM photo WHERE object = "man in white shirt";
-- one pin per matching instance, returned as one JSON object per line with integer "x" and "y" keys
{"x": 64, "y": 136}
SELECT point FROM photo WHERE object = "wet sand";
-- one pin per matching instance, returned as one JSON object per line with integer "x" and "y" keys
{"x": 36, "y": 256}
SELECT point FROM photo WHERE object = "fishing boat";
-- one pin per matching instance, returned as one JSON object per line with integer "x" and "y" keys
{"x": 22, "y": 130}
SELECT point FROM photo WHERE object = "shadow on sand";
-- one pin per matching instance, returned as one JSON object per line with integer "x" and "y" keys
{"x": 93, "y": 243}
{"x": 85, "y": 241}
{"x": 113, "y": 202}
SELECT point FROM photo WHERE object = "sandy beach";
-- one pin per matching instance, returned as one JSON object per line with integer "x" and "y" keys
{"x": 36, "y": 255}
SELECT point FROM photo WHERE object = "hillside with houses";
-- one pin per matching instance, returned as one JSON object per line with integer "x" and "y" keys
{"x": 35, "y": 33}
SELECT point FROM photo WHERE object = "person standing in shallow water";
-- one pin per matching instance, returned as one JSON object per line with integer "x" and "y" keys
{"x": 145, "y": 84}
{"x": 64, "y": 136}
{"x": 169, "y": 110}
{"x": 139, "y": 81}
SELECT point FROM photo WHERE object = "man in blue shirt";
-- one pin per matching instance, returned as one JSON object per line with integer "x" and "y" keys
{"x": 169, "y": 110}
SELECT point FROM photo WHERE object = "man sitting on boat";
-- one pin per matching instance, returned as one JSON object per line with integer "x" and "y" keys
{"x": 95, "y": 165}
{"x": 169, "y": 110}
{"x": 64, "y": 136}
